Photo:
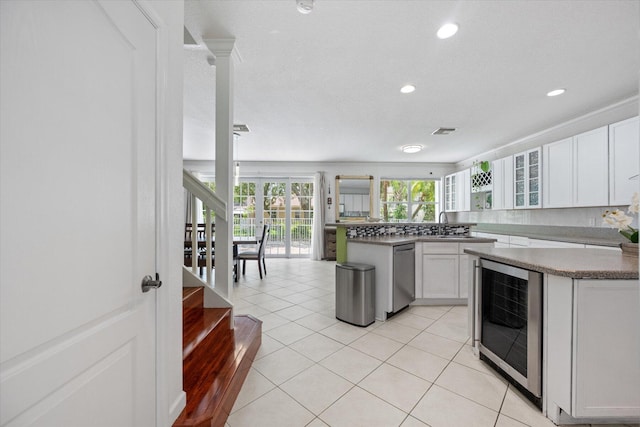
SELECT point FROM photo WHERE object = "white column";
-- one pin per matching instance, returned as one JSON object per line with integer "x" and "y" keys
{"x": 222, "y": 49}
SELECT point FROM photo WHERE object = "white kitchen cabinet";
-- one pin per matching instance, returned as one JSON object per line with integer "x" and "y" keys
{"x": 576, "y": 170}
{"x": 457, "y": 191}
{"x": 557, "y": 173}
{"x": 502, "y": 240}
{"x": 624, "y": 150}
{"x": 463, "y": 197}
{"x": 592, "y": 350}
{"x": 446, "y": 270}
{"x": 450, "y": 192}
{"x": 502, "y": 170}
{"x": 440, "y": 275}
{"x": 591, "y": 169}
{"x": 526, "y": 179}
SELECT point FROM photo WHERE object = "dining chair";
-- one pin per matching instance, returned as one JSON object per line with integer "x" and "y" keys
{"x": 256, "y": 255}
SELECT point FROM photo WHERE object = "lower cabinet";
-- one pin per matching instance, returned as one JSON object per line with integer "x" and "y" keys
{"x": 440, "y": 276}
{"x": 445, "y": 270}
{"x": 591, "y": 349}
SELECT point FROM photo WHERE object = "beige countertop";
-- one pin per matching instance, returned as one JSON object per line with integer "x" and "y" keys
{"x": 574, "y": 263}
{"x": 400, "y": 240}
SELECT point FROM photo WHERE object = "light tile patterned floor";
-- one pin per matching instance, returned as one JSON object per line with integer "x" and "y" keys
{"x": 313, "y": 370}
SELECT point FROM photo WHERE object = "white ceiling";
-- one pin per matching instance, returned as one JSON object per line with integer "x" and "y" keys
{"x": 325, "y": 86}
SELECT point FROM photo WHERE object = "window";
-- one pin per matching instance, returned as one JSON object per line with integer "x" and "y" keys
{"x": 408, "y": 200}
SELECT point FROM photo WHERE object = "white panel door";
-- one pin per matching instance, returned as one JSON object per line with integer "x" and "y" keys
{"x": 78, "y": 156}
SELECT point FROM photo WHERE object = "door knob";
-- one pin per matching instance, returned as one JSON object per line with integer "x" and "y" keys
{"x": 148, "y": 283}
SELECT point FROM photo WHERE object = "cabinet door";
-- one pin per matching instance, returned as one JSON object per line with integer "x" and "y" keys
{"x": 591, "y": 169}
{"x": 440, "y": 276}
{"x": 527, "y": 176}
{"x": 497, "y": 170}
{"x": 450, "y": 192}
{"x": 534, "y": 172}
{"x": 624, "y": 148}
{"x": 606, "y": 372}
{"x": 519, "y": 180}
{"x": 463, "y": 188}
{"x": 557, "y": 172}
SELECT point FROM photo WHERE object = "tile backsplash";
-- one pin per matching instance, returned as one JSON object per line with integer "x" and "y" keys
{"x": 406, "y": 230}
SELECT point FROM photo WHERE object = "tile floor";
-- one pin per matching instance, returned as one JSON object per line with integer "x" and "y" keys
{"x": 312, "y": 370}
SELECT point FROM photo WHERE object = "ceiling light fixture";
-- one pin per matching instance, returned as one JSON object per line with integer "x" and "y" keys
{"x": 556, "y": 92}
{"x": 304, "y": 6}
{"x": 411, "y": 149}
{"x": 447, "y": 30}
{"x": 407, "y": 88}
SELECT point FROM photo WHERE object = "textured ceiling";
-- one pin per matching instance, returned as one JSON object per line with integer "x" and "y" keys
{"x": 325, "y": 86}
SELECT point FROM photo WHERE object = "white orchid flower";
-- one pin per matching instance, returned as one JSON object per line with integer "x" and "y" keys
{"x": 635, "y": 204}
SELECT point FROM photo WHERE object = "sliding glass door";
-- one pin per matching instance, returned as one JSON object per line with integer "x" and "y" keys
{"x": 285, "y": 204}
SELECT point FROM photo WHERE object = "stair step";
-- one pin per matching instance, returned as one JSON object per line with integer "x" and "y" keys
{"x": 203, "y": 327}
{"x": 215, "y": 369}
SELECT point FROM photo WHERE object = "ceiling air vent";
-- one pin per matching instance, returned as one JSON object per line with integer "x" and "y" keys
{"x": 443, "y": 131}
{"x": 240, "y": 128}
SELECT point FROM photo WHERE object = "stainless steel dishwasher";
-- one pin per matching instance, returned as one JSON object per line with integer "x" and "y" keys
{"x": 404, "y": 276}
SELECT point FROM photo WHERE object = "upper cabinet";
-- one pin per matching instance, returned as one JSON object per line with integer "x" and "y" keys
{"x": 457, "y": 191}
{"x": 526, "y": 179}
{"x": 502, "y": 170}
{"x": 575, "y": 170}
{"x": 450, "y": 192}
{"x": 624, "y": 143}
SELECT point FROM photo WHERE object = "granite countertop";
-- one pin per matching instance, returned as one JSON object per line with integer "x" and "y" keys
{"x": 574, "y": 263}
{"x": 400, "y": 240}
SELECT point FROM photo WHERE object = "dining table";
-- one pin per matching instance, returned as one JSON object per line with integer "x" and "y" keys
{"x": 237, "y": 241}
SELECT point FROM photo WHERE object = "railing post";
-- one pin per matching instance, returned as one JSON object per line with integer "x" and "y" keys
{"x": 208, "y": 237}
{"x": 194, "y": 235}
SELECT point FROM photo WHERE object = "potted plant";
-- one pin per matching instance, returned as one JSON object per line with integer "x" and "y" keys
{"x": 618, "y": 219}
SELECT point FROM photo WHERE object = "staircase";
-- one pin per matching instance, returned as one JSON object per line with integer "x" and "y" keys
{"x": 216, "y": 359}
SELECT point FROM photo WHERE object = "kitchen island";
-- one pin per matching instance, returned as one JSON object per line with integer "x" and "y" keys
{"x": 440, "y": 267}
{"x": 590, "y": 333}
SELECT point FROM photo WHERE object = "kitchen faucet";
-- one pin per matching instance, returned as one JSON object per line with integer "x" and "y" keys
{"x": 446, "y": 220}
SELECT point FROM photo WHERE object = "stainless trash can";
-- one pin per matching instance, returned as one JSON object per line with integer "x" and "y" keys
{"x": 355, "y": 293}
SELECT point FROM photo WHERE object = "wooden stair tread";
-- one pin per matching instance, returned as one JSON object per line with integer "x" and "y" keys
{"x": 213, "y": 381}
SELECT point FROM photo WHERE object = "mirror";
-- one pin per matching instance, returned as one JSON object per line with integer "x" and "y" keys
{"x": 353, "y": 194}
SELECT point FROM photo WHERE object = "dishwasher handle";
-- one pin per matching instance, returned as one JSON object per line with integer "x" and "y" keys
{"x": 474, "y": 309}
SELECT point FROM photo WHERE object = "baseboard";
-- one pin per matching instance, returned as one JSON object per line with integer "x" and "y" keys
{"x": 176, "y": 408}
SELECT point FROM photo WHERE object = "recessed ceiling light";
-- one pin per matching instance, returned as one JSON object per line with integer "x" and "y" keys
{"x": 304, "y": 6}
{"x": 556, "y": 92}
{"x": 411, "y": 149}
{"x": 447, "y": 30}
{"x": 407, "y": 88}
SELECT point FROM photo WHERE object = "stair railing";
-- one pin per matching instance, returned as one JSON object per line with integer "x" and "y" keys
{"x": 210, "y": 202}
